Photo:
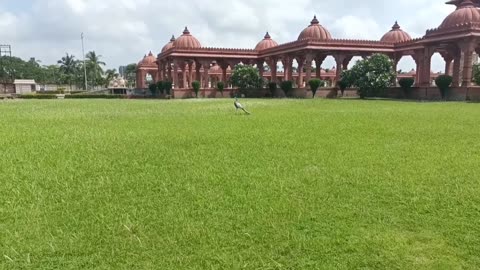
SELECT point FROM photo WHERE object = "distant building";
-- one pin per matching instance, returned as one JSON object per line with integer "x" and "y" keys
{"x": 25, "y": 86}
{"x": 121, "y": 71}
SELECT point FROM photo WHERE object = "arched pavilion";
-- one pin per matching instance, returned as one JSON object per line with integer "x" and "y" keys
{"x": 184, "y": 59}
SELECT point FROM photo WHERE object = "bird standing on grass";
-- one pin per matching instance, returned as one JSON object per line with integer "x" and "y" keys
{"x": 239, "y": 106}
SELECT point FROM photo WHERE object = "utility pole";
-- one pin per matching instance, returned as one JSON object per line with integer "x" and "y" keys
{"x": 84, "y": 64}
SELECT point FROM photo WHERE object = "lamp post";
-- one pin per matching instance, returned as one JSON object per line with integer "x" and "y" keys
{"x": 84, "y": 64}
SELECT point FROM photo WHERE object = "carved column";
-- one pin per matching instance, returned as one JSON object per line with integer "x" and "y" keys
{"x": 260, "y": 67}
{"x": 183, "y": 67}
{"x": 457, "y": 58}
{"x": 346, "y": 62}
{"x": 468, "y": 48}
{"x": 418, "y": 57}
{"x": 224, "y": 67}
{"x": 318, "y": 65}
{"x": 190, "y": 74}
{"x": 339, "y": 58}
{"x": 395, "y": 59}
{"x": 272, "y": 63}
{"x": 301, "y": 64}
{"x": 198, "y": 76}
{"x": 206, "y": 68}
{"x": 175, "y": 75}
{"x": 448, "y": 62}
{"x": 170, "y": 72}
{"x": 308, "y": 67}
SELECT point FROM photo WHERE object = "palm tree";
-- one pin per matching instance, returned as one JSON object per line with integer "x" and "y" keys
{"x": 95, "y": 66}
{"x": 68, "y": 66}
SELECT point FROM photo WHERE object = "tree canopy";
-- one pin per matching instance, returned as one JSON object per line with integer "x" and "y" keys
{"x": 372, "y": 75}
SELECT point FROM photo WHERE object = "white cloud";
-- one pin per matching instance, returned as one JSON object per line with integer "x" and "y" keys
{"x": 124, "y": 30}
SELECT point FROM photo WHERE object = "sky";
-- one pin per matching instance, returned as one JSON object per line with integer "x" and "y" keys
{"x": 123, "y": 31}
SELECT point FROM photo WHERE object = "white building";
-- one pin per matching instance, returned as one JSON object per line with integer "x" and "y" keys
{"x": 25, "y": 86}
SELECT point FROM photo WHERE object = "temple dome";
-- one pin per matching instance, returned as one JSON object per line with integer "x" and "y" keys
{"x": 169, "y": 45}
{"x": 148, "y": 60}
{"x": 396, "y": 35}
{"x": 187, "y": 41}
{"x": 266, "y": 43}
{"x": 467, "y": 12}
{"x": 315, "y": 31}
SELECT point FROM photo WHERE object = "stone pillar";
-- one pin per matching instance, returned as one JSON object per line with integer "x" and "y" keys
{"x": 456, "y": 70}
{"x": 346, "y": 62}
{"x": 170, "y": 72}
{"x": 190, "y": 74}
{"x": 318, "y": 65}
{"x": 198, "y": 76}
{"x": 272, "y": 63}
{"x": 206, "y": 69}
{"x": 175, "y": 75}
{"x": 301, "y": 64}
{"x": 419, "y": 57}
{"x": 395, "y": 59}
{"x": 468, "y": 48}
{"x": 339, "y": 58}
{"x": 183, "y": 67}
{"x": 260, "y": 67}
{"x": 308, "y": 67}
{"x": 448, "y": 63}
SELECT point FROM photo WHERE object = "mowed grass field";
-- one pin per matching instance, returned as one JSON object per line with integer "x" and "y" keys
{"x": 299, "y": 184}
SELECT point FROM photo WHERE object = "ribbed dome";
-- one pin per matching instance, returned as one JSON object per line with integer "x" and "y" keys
{"x": 266, "y": 43}
{"x": 148, "y": 60}
{"x": 396, "y": 35}
{"x": 187, "y": 41}
{"x": 315, "y": 31}
{"x": 169, "y": 44}
{"x": 467, "y": 12}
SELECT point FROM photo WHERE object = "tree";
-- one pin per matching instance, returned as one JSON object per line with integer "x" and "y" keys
{"x": 272, "y": 86}
{"x": 131, "y": 74}
{"x": 315, "y": 84}
{"x": 406, "y": 85}
{"x": 287, "y": 87}
{"x": 246, "y": 78}
{"x": 372, "y": 75}
{"x": 476, "y": 74}
{"x": 95, "y": 67}
{"x": 196, "y": 87}
{"x": 443, "y": 83}
{"x": 343, "y": 84}
{"x": 168, "y": 87}
{"x": 153, "y": 89}
{"x": 69, "y": 67}
{"x": 161, "y": 87}
{"x": 221, "y": 87}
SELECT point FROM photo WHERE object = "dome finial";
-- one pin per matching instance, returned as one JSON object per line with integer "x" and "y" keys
{"x": 267, "y": 36}
{"x": 186, "y": 31}
{"x": 315, "y": 20}
{"x": 396, "y": 26}
{"x": 173, "y": 38}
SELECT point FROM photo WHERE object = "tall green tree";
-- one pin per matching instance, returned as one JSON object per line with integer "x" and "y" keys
{"x": 131, "y": 74}
{"x": 95, "y": 67}
{"x": 69, "y": 68}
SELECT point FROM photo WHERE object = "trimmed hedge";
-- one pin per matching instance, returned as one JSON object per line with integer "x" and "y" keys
{"x": 35, "y": 96}
{"x": 94, "y": 96}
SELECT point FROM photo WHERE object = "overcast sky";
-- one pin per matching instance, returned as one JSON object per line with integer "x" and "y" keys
{"x": 124, "y": 30}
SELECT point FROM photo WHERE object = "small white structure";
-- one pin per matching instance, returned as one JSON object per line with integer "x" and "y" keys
{"x": 25, "y": 86}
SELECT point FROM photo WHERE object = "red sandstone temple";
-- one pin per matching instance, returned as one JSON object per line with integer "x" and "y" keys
{"x": 184, "y": 60}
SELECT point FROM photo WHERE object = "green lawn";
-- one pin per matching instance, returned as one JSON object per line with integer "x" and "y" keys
{"x": 299, "y": 184}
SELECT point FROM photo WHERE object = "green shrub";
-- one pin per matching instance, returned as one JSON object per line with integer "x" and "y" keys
{"x": 196, "y": 87}
{"x": 221, "y": 87}
{"x": 153, "y": 89}
{"x": 315, "y": 84}
{"x": 35, "y": 96}
{"x": 406, "y": 85}
{"x": 443, "y": 83}
{"x": 272, "y": 86}
{"x": 161, "y": 87}
{"x": 91, "y": 96}
{"x": 343, "y": 84}
{"x": 167, "y": 86}
{"x": 287, "y": 87}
